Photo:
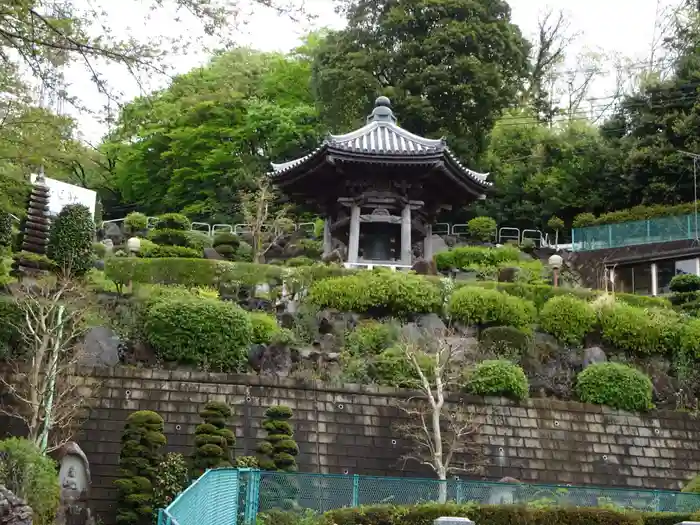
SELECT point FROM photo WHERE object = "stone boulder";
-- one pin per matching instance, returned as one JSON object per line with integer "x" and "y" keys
{"x": 273, "y": 359}
{"x": 593, "y": 355}
{"x": 14, "y": 510}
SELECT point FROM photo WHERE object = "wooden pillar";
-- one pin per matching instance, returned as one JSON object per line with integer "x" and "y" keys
{"x": 406, "y": 257}
{"x": 428, "y": 243}
{"x": 354, "y": 240}
{"x": 327, "y": 239}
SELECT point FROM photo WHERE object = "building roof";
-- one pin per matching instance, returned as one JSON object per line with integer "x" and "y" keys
{"x": 381, "y": 138}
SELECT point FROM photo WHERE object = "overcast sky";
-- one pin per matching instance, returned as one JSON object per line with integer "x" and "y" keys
{"x": 623, "y": 27}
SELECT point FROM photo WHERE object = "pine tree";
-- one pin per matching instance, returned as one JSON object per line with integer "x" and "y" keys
{"x": 214, "y": 442}
{"x": 279, "y": 450}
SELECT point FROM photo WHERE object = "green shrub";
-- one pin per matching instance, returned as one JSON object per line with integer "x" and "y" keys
{"x": 302, "y": 260}
{"x": 615, "y": 385}
{"x": 248, "y": 462}
{"x": 685, "y": 283}
{"x": 193, "y": 330}
{"x": 198, "y": 240}
{"x": 10, "y": 318}
{"x": 378, "y": 292}
{"x": 226, "y": 251}
{"x": 70, "y": 240}
{"x": 173, "y": 221}
{"x": 391, "y": 368}
{"x": 427, "y": 513}
{"x": 169, "y": 237}
{"x": 688, "y": 338}
{"x": 99, "y": 250}
{"x": 665, "y": 518}
{"x": 693, "y": 486}
{"x": 555, "y": 224}
{"x": 244, "y": 252}
{"x": 482, "y": 229}
{"x": 190, "y": 272}
{"x": 568, "y": 319}
{"x": 140, "y": 457}
{"x": 637, "y": 213}
{"x": 135, "y": 222}
{"x": 471, "y": 256}
{"x": 497, "y": 378}
{"x": 213, "y": 441}
{"x": 264, "y": 327}
{"x": 157, "y": 251}
{"x": 504, "y": 341}
{"x": 5, "y": 230}
{"x": 30, "y": 475}
{"x": 477, "y": 306}
{"x": 279, "y": 450}
{"x": 172, "y": 477}
{"x": 226, "y": 239}
{"x": 371, "y": 338}
{"x": 641, "y": 331}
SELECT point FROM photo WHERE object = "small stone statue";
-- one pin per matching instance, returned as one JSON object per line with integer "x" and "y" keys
{"x": 74, "y": 477}
{"x": 109, "y": 246}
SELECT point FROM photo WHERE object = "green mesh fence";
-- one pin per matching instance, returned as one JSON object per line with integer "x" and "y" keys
{"x": 221, "y": 497}
{"x": 662, "y": 229}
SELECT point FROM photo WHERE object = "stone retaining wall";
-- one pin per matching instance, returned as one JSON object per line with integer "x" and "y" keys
{"x": 351, "y": 430}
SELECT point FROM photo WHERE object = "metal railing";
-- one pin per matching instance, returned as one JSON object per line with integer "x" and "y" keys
{"x": 661, "y": 229}
{"x": 503, "y": 235}
{"x": 230, "y": 496}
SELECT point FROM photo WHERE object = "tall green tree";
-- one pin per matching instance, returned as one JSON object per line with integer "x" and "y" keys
{"x": 652, "y": 126}
{"x": 449, "y": 66}
{"x": 194, "y": 146}
{"x": 540, "y": 171}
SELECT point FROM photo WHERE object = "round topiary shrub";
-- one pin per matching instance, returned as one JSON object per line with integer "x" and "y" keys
{"x": 482, "y": 229}
{"x": 169, "y": 237}
{"x": 685, "y": 283}
{"x": 140, "y": 457}
{"x": 203, "y": 331}
{"x": 31, "y": 475}
{"x": 173, "y": 221}
{"x": 264, "y": 327}
{"x": 497, "y": 378}
{"x": 568, "y": 319}
{"x": 279, "y": 450}
{"x": 135, "y": 222}
{"x": 615, "y": 385}
{"x": 213, "y": 441}
{"x": 504, "y": 341}
{"x": 226, "y": 238}
{"x": 483, "y": 307}
{"x": 379, "y": 293}
{"x": 70, "y": 240}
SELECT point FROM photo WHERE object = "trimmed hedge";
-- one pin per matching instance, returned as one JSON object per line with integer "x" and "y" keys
{"x": 202, "y": 331}
{"x": 615, "y": 385}
{"x": 637, "y": 213}
{"x": 427, "y": 513}
{"x": 477, "y": 306}
{"x": 476, "y": 256}
{"x": 497, "y": 378}
{"x": 173, "y": 221}
{"x": 541, "y": 293}
{"x": 159, "y": 251}
{"x": 568, "y": 319}
{"x": 504, "y": 341}
{"x": 264, "y": 327}
{"x": 378, "y": 292}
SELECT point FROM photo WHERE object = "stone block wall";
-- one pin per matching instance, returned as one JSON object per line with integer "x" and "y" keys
{"x": 351, "y": 430}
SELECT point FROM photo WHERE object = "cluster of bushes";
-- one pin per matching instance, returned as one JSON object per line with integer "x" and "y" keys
{"x": 379, "y": 293}
{"x": 637, "y": 213}
{"x": 489, "y": 263}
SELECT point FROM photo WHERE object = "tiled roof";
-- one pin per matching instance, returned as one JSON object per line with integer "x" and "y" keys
{"x": 382, "y": 136}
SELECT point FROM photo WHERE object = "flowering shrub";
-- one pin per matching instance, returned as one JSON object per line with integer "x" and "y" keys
{"x": 172, "y": 477}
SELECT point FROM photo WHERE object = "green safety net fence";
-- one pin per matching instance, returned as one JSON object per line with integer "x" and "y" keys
{"x": 229, "y": 496}
{"x": 661, "y": 229}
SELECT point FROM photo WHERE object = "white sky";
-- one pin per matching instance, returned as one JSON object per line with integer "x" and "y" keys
{"x": 624, "y": 27}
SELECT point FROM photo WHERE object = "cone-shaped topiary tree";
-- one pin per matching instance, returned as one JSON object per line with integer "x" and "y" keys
{"x": 213, "y": 441}
{"x": 142, "y": 444}
{"x": 279, "y": 450}
{"x": 70, "y": 242}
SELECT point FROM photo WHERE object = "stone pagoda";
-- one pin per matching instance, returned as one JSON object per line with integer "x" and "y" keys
{"x": 379, "y": 189}
{"x": 35, "y": 230}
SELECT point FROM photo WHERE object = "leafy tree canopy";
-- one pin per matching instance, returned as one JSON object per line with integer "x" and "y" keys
{"x": 448, "y": 66}
{"x": 194, "y": 145}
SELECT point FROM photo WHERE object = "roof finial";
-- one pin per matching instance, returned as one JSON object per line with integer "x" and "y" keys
{"x": 382, "y": 111}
